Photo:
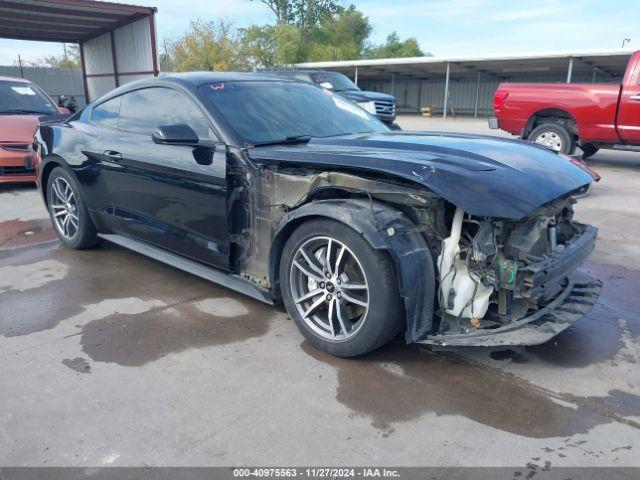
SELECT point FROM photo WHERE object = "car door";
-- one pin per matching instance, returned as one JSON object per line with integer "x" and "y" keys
{"x": 629, "y": 108}
{"x": 172, "y": 196}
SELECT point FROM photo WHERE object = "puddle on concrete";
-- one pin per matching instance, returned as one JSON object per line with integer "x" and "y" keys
{"x": 598, "y": 336}
{"x": 421, "y": 382}
{"x": 134, "y": 340}
{"x": 616, "y": 404}
{"x": 107, "y": 272}
{"x": 21, "y": 233}
{"x": 79, "y": 364}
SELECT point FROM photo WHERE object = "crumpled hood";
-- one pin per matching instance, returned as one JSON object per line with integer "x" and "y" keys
{"x": 18, "y": 128}
{"x": 364, "y": 96}
{"x": 485, "y": 176}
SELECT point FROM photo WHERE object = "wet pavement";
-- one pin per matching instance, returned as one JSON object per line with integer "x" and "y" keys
{"x": 110, "y": 358}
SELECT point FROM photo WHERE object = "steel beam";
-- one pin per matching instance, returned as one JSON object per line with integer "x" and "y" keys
{"x": 446, "y": 94}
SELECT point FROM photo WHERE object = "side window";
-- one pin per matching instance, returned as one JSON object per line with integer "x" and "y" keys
{"x": 107, "y": 112}
{"x": 142, "y": 111}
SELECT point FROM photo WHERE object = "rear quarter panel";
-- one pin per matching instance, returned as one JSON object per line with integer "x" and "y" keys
{"x": 593, "y": 106}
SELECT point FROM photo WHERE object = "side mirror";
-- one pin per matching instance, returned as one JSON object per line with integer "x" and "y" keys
{"x": 178, "y": 134}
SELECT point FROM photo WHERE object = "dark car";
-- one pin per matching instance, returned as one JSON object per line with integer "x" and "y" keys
{"x": 381, "y": 105}
{"x": 287, "y": 192}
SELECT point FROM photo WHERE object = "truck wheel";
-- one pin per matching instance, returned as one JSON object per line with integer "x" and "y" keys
{"x": 554, "y": 136}
{"x": 588, "y": 150}
{"x": 341, "y": 292}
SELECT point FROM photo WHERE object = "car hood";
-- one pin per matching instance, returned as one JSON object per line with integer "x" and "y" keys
{"x": 485, "y": 176}
{"x": 363, "y": 96}
{"x": 17, "y": 128}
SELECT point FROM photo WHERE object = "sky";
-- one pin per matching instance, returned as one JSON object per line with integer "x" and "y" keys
{"x": 453, "y": 27}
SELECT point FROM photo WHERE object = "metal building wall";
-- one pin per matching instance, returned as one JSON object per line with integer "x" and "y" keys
{"x": 412, "y": 94}
{"x": 54, "y": 81}
{"x": 124, "y": 55}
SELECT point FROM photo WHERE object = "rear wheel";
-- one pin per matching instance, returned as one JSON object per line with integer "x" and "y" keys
{"x": 68, "y": 211}
{"x": 340, "y": 292}
{"x": 554, "y": 136}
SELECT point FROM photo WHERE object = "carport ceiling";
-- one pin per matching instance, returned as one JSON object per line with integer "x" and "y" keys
{"x": 498, "y": 66}
{"x": 70, "y": 21}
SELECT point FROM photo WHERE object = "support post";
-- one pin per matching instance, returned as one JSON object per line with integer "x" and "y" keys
{"x": 114, "y": 60}
{"x": 570, "y": 70}
{"x": 356, "y": 77}
{"x": 446, "y": 94}
{"x": 83, "y": 66}
{"x": 594, "y": 75}
{"x": 475, "y": 107}
{"x": 393, "y": 83}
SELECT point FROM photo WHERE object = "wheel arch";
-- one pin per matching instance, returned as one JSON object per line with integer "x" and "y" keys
{"x": 551, "y": 115}
{"x": 47, "y": 168}
{"x": 385, "y": 228}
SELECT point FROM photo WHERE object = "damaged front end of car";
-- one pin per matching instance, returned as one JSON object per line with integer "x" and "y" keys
{"x": 475, "y": 264}
{"x": 506, "y": 282}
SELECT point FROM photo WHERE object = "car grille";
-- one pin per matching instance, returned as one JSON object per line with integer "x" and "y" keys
{"x": 385, "y": 108}
{"x": 17, "y": 148}
{"x": 16, "y": 171}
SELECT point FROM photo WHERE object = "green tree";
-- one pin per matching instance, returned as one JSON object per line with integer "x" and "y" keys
{"x": 205, "y": 46}
{"x": 304, "y": 14}
{"x": 340, "y": 37}
{"x": 69, "y": 59}
{"x": 394, "y": 48}
{"x": 272, "y": 45}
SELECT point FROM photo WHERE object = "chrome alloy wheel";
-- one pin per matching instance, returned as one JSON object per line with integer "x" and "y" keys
{"x": 329, "y": 288}
{"x": 65, "y": 208}
{"x": 550, "y": 140}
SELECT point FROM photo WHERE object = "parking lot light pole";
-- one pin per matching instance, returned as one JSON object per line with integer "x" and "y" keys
{"x": 570, "y": 70}
{"x": 446, "y": 94}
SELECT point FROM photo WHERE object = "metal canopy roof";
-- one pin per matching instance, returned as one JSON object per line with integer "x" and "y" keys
{"x": 69, "y": 21}
{"x": 611, "y": 62}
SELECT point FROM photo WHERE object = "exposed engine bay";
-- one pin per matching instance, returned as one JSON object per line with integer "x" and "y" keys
{"x": 490, "y": 271}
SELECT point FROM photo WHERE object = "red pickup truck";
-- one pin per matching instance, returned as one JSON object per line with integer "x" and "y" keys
{"x": 563, "y": 116}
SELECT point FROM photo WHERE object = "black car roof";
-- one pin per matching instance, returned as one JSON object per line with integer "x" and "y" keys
{"x": 190, "y": 80}
{"x": 196, "y": 79}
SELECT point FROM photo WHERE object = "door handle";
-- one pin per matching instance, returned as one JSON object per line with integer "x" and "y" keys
{"x": 635, "y": 98}
{"x": 112, "y": 155}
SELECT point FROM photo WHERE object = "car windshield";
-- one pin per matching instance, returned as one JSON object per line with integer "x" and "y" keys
{"x": 333, "y": 80}
{"x": 264, "y": 112}
{"x": 20, "y": 97}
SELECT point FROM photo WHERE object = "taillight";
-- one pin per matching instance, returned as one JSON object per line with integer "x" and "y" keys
{"x": 498, "y": 100}
{"x": 579, "y": 163}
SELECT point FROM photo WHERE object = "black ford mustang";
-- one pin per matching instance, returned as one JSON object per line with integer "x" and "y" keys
{"x": 286, "y": 192}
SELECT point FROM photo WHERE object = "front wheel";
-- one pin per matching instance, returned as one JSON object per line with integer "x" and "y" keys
{"x": 341, "y": 293}
{"x": 554, "y": 136}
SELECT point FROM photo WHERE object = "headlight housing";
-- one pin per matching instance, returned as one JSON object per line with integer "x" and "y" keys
{"x": 368, "y": 106}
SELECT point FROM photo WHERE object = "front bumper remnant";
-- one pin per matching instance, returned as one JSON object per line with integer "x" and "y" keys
{"x": 579, "y": 296}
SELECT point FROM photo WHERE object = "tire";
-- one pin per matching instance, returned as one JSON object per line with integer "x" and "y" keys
{"x": 588, "y": 150}
{"x": 354, "y": 329}
{"x": 554, "y": 136}
{"x": 70, "y": 219}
